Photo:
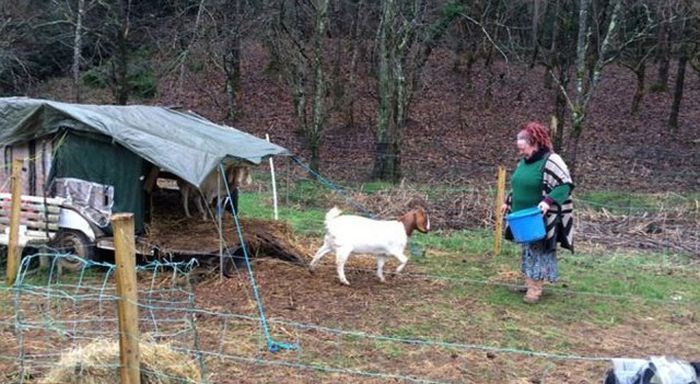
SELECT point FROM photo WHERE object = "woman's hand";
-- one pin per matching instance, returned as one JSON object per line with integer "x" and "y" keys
{"x": 504, "y": 208}
{"x": 543, "y": 206}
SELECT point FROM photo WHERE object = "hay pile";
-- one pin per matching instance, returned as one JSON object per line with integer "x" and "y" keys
{"x": 98, "y": 363}
{"x": 269, "y": 238}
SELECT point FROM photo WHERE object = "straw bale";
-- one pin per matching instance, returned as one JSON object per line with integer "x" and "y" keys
{"x": 98, "y": 363}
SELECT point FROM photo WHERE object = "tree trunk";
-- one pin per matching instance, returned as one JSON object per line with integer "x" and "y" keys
{"x": 560, "y": 111}
{"x": 553, "y": 53}
{"x": 122, "y": 56}
{"x": 232, "y": 66}
{"x": 350, "y": 92}
{"x": 640, "y": 71}
{"x": 299, "y": 95}
{"x": 313, "y": 135}
{"x": 338, "y": 80}
{"x": 589, "y": 70}
{"x": 663, "y": 58}
{"x": 471, "y": 60}
{"x": 535, "y": 24}
{"x": 460, "y": 46}
{"x": 383, "y": 162}
{"x": 77, "y": 47}
{"x": 678, "y": 94}
{"x": 186, "y": 52}
{"x": 581, "y": 46}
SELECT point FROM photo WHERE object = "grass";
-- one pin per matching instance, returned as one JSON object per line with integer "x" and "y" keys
{"x": 466, "y": 255}
{"x": 624, "y": 202}
{"x": 600, "y": 289}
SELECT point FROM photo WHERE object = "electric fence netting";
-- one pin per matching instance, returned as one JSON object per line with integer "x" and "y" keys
{"x": 448, "y": 318}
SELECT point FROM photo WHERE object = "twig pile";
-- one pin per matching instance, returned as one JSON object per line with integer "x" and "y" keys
{"x": 671, "y": 230}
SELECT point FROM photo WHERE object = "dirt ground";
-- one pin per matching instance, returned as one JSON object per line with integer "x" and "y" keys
{"x": 374, "y": 308}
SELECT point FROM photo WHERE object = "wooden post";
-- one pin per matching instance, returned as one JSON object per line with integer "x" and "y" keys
{"x": 125, "y": 257}
{"x": 500, "y": 193}
{"x": 274, "y": 185}
{"x": 14, "y": 250}
{"x": 220, "y": 221}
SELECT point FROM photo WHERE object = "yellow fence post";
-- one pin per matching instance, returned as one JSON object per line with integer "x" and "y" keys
{"x": 125, "y": 257}
{"x": 14, "y": 251}
{"x": 500, "y": 193}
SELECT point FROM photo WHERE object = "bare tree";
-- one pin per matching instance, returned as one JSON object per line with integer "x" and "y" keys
{"x": 227, "y": 24}
{"x": 297, "y": 46}
{"x": 120, "y": 68}
{"x": 557, "y": 51}
{"x": 77, "y": 47}
{"x": 405, "y": 40}
{"x": 678, "y": 93}
{"x": 663, "y": 54}
{"x": 14, "y": 65}
{"x": 687, "y": 48}
{"x": 31, "y": 45}
{"x": 350, "y": 89}
{"x": 636, "y": 29}
{"x": 313, "y": 133}
{"x": 589, "y": 65}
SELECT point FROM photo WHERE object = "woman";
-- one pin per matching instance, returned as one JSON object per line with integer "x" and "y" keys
{"x": 541, "y": 179}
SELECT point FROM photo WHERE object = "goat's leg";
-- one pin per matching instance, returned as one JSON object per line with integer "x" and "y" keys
{"x": 201, "y": 206}
{"x": 341, "y": 256}
{"x": 325, "y": 249}
{"x": 381, "y": 259}
{"x": 402, "y": 261}
{"x": 185, "y": 200}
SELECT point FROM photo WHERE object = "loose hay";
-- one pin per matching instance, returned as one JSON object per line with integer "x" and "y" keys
{"x": 192, "y": 235}
{"x": 98, "y": 363}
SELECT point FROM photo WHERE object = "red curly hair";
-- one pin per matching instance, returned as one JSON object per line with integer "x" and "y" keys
{"x": 536, "y": 134}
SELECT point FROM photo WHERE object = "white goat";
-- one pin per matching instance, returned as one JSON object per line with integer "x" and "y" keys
{"x": 235, "y": 176}
{"x": 355, "y": 234}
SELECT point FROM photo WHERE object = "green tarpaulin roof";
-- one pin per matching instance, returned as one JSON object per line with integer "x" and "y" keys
{"x": 189, "y": 146}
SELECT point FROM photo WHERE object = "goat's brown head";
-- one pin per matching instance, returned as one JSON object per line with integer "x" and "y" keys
{"x": 238, "y": 175}
{"x": 416, "y": 219}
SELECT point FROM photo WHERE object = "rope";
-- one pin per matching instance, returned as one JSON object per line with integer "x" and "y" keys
{"x": 335, "y": 188}
{"x": 272, "y": 345}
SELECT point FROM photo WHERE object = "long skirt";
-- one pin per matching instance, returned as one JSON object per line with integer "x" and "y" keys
{"x": 538, "y": 263}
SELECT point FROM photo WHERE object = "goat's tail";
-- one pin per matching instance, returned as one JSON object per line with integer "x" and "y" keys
{"x": 332, "y": 214}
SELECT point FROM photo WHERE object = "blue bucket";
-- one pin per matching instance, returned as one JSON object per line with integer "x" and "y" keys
{"x": 527, "y": 225}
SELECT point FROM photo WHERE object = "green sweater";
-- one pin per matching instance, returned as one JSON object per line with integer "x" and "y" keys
{"x": 526, "y": 184}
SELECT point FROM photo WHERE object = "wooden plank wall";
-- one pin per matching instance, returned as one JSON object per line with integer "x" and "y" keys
{"x": 37, "y": 157}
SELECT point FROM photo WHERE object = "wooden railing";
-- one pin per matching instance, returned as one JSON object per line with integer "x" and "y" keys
{"x": 38, "y": 218}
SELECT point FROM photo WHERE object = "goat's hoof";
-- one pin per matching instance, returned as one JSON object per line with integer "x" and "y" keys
{"x": 345, "y": 283}
{"x": 311, "y": 270}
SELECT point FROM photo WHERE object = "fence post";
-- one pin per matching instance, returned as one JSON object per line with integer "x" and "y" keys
{"x": 500, "y": 193}
{"x": 221, "y": 208}
{"x": 274, "y": 184}
{"x": 125, "y": 258}
{"x": 14, "y": 251}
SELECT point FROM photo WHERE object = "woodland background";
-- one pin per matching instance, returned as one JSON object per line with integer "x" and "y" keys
{"x": 428, "y": 91}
